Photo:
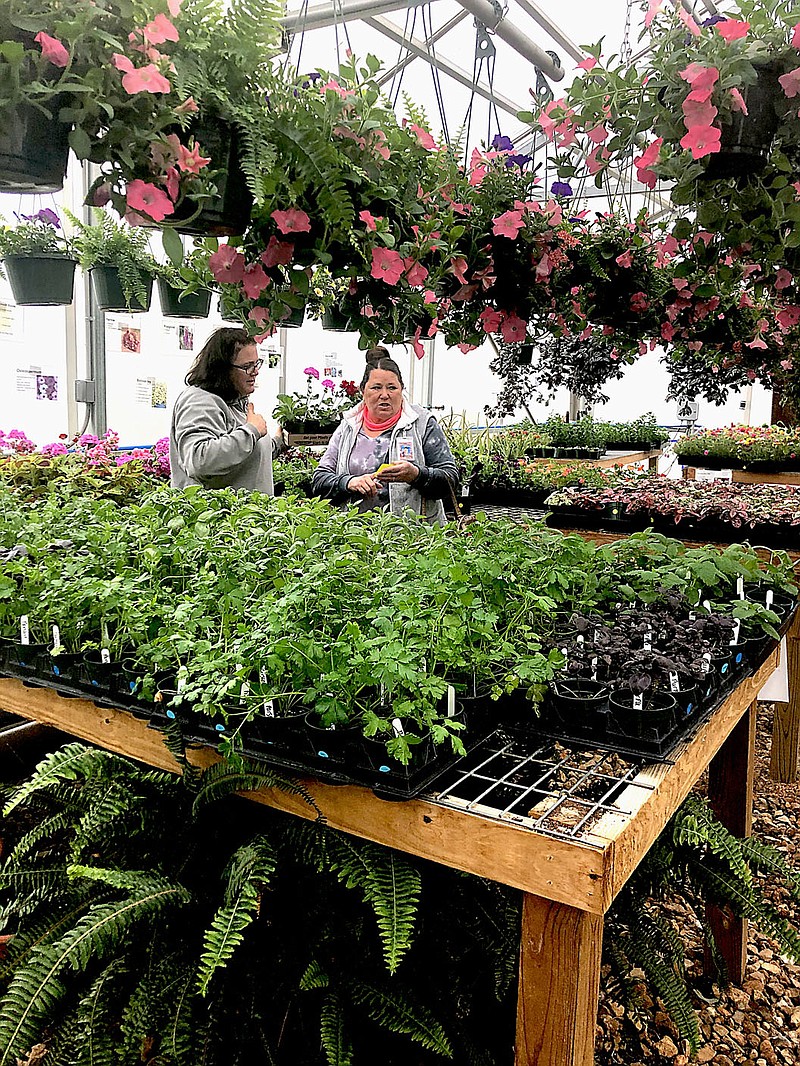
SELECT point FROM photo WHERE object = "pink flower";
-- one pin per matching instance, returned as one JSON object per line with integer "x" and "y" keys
{"x": 597, "y": 134}
{"x": 277, "y": 253}
{"x": 174, "y": 7}
{"x": 491, "y": 320}
{"x": 326, "y": 383}
{"x": 147, "y": 79}
{"x": 188, "y": 107}
{"x": 508, "y": 224}
{"x": 292, "y": 221}
{"x": 650, "y": 154}
{"x": 416, "y": 273}
{"x": 513, "y": 329}
{"x": 172, "y": 181}
{"x": 738, "y": 101}
{"x": 688, "y": 22}
{"x": 653, "y": 8}
{"x": 625, "y": 260}
{"x": 423, "y": 137}
{"x": 466, "y": 348}
{"x": 368, "y": 219}
{"x": 254, "y": 281}
{"x": 701, "y": 140}
{"x": 757, "y": 343}
{"x": 700, "y": 77}
{"x": 52, "y": 49}
{"x": 796, "y": 36}
{"x": 788, "y": 317}
{"x": 783, "y": 278}
{"x": 732, "y": 29}
{"x": 586, "y": 64}
{"x": 159, "y": 30}
{"x": 227, "y": 265}
{"x": 122, "y": 62}
{"x": 698, "y": 112}
{"x": 311, "y": 372}
{"x": 791, "y": 82}
{"x": 459, "y": 267}
{"x": 334, "y": 87}
{"x": 149, "y": 200}
{"x": 416, "y": 344}
{"x": 387, "y": 265}
{"x": 189, "y": 159}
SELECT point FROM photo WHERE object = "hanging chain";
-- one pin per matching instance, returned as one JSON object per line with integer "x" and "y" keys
{"x": 626, "y": 52}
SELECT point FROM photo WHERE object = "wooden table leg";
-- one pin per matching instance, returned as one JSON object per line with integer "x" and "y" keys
{"x": 730, "y": 795}
{"x": 559, "y": 984}
{"x": 785, "y": 749}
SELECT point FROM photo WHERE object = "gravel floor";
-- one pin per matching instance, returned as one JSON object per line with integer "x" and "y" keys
{"x": 758, "y": 1023}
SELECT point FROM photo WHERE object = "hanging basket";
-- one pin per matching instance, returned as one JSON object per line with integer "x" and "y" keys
{"x": 177, "y": 304}
{"x": 34, "y": 149}
{"x": 295, "y": 318}
{"x": 228, "y": 213}
{"x": 336, "y": 320}
{"x": 746, "y": 140}
{"x": 40, "y": 280}
{"x": 110, "y": 295}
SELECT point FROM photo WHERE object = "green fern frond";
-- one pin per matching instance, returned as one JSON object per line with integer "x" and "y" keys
{"x": 29, "y": 941}
{"x": 314, "y": 976}
{"x": 749, "y": 904}
{"x": 769, "y": 860}
{"x": 248, "y": 871}
{"x": 54, "y": 826}
{"x": 68, "y": 763}
{"x": 181, "y": 1030}
{"x": 397, "y": 1014}
{"x": 338, "y": 1049}
{"x": 222, "y": 779}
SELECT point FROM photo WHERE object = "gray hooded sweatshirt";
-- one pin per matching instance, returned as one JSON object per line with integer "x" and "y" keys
{"x": 212, "y": 444}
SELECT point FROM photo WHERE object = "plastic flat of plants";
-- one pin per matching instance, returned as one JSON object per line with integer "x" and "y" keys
{"x": 551, "y": 786}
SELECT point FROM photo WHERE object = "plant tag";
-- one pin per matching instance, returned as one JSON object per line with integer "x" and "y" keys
{"x": 579, "y": 639}
{"x": 245, "y": 691}
{"x": 740, "y": 587}
{"x": 769, "y": 598}
{"x": 638, "y": 702}
{"x": 692, "y": 616}
{"x": 736, "y": 627}
{"x": 451, "y": 701}
{"x": 648, "y": 640}
{"x": 269, "y": 708}
{"x": 262, "y": 674}
{"x": 180, "y": 683}
{"x": 105, "y": 655}
{"x": 383, "y": 694}
{"x": 706, "y": 662}
{"x": 24, "y": 630}
{"x": 707, "y": 605}
{"x": 674, "y": 683}
{"x": 594, "y": 668}
{"x": 397, "y": 728}
{"x": 464, "y": 492}
{"x": 56, "y": 637}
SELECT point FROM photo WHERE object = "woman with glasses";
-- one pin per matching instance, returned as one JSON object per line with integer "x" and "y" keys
{"x": 387, "y": 452}
{"x": 217, "y": 438}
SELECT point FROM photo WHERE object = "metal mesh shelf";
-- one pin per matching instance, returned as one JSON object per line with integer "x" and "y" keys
{"x": 557, "y": 788}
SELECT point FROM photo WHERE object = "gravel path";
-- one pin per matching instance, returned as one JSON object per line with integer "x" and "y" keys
{"x": 758, "y": 1023}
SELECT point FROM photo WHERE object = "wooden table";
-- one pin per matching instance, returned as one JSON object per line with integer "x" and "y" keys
{"x": 750, "y": 477}
{"x": 568, "y": 884}
{"x": 612, "y": 459}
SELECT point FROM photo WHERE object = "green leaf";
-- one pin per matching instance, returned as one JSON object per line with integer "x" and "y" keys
{"x": 173, "y": 245}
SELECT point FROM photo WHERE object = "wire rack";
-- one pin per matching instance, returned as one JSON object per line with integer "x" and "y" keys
{"x": 553, "y": 787}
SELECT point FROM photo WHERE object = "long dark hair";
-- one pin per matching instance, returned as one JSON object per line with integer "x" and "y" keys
{"x": 211, "y": 369}
{"x": 378, "y": 358}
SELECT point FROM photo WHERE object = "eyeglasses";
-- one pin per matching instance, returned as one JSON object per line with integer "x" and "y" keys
{"x": 249, "y": 368}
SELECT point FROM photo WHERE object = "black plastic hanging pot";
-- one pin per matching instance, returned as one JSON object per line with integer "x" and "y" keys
{"x": 34, "y": 149}
{"x": 336, "y": 320}
{"x": 175, "y": 303}
{"x": 228, "y": 213}
{"x": 746, "y": 139}
{"x": 109, "y": 292}
{"x": 40, "y": 280}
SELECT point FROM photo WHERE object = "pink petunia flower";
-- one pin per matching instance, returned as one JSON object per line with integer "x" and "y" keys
{"x": 148, "y": 200}
{"x": 688, "y": 22}
{"x": 189, "y": 159}
{"x": 699, "y": 76}
{"x": 791, "y": 82}
{"x": 334, "y": 87}
{"x": 416, "y": 273}
{"x": 423, "y": 137}
{"x": 416, "y": 343}
{"x": 508, "y": 224}
{"x": 732, "y": 29}
{"x": 757, "y": 343}
{"x": 294, "y": 220}
{"x": 698, "y": 113}
{"x": 738, "y": 101}
{"x": 227, "y": 265}
{"x": 174, "y": 7}
{"x": 254, "y": 281}
{"x": 625, "y": 260}
{"x": 701, "y": 141}
{"x": 597, "y": 134}
{"x": 147, "y": 79}
{"x": 387, "y": 265}
{"x": 653, "y": 8}
{"x": 52, "y": 49}
{"x": 513, "y": 329}
{"x": 491, "y": 320}
{"x": 586, "y": 64}
{"x": 795, "y": 42}
{"x": 466, "y": 348}
{"x": 277, "y": 253}
{"x": 459, "y": 267}
{"x": 172, "y": 181}
{"x": 160, "y": 30}
{"x": 369, "y": 219}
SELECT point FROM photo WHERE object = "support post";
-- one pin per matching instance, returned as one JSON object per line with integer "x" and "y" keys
{"x": 559, "y": 984}
{"x": 786, "y": 723}
{"x": 730, "y": 795}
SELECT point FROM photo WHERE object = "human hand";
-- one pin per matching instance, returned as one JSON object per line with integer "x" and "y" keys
{"x": 402, "y": 471}
{"x": 255, "y": 419}
{"x": 365, "y": 485}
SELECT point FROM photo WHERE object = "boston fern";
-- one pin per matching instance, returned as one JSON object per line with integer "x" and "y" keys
{"x": 109, "y": 243}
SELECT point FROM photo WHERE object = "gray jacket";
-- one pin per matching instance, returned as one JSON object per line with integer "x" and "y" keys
{"x": 212, "y": 444}
{"x": 431, "y": 453}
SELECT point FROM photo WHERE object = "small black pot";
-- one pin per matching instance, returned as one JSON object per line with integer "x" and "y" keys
{"x": 109, "y": 294}
{"x": 40, "y": 280}
{"x": 29, "y": 659}
{"x": 67, "y": 667}
{"x": 177, "y": 304}
{"x": 580, "y": 703}
{"x": 656, "y": 717}
{"x": 335, "y": 743}
{"x": 105, "y": 677}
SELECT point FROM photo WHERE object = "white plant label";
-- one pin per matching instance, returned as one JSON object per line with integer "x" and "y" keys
{"x": 451, "y": 701}
{"x": 740, "y": 587}
{"x": 706, "y": 662}
{"x": 638, "y": 702}
{"x": 579, "y": 639}
{"x": 24, "y": 630}
{"x": 245, "y": 691}
{"x": 262, "y": 674}
{"x": 465, "y": 492}
{"x": 594, "y": 668}
{"x": 383, "y": 693}
{"x": 56, "y": 637}
{"x": 736, "y": 627}
{"x": 648, "y": 640}
{"x": 769, "y": 598}
{"x": 105, "y": 655}
{"x": 269, "y": 708}
{"x": 674, "y": 683}
{"x": 397, "y": 728}
{"x": 707, "y": 605}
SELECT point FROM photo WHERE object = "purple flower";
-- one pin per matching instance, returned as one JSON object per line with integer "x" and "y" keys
{"x": 57, "y": 448}
{"x": 518, "y": 160}
{"x": 326, "y": 383}
{"x": 46, "y": 215}
{"x": 561, "y": 188}
{"x": 502, "y": 144}
{"x": 311, "y": 372}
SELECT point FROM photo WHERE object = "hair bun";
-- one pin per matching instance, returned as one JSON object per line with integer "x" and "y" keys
{"x": 374, "y": 355}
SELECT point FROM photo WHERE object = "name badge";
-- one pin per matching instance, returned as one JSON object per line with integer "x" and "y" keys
{"x": 405, "y": 449}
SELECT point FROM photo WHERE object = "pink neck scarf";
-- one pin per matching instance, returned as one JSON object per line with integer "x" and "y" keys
{"x": 379, "y": 427}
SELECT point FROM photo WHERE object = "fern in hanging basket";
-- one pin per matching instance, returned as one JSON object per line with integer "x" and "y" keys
{"x": 115, "y": 244}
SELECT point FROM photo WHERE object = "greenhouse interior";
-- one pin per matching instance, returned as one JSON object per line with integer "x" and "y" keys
{"x": 399, "y": 496}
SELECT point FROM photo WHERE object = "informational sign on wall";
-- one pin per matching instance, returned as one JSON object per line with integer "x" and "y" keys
{"x": 10, "y": 319}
